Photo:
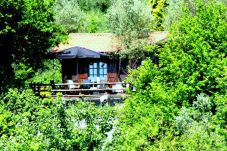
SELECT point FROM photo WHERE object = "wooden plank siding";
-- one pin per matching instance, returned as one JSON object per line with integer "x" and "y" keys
{"x": 113, "y": 71}
{"x": 82, "y": 70}
{"x": 112, "y": 77}
{"x": 68, "y": 69}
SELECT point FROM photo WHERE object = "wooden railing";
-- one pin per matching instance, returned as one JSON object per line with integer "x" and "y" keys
{"x": 79, "y": 89}
{"x": 39, "y": 88}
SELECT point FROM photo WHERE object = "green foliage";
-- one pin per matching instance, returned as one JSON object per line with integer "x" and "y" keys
{"x": 73, "y": 16}
{"x": 173, "y": 13}
{"x": 69, "y": 15}
{"x": 170, "y": 109}
{"x": 200, "y": 112}
{"x": 51, "y": 71}
{"x": 32, "y": 124}
{"x": 148, "y": 113}
{"x": 22, "y": 72}
{"x": 158, "y": 10}
{"x": 98, "y": 5}
{"x": 89, "y": 125}
{"x": 29, "y": 123}
{"x": 197, "y": 51}
{"x": 195, "y": 129}
{"x": 175, "y": 9}
{"x": 129, "y": 17}
{"x": 135, "y": 52}
{"x": 27, "y": 30}
{"x": 130, "y": 20}
{"x": 179, "y": 103}
{"x": 95, "y": 21}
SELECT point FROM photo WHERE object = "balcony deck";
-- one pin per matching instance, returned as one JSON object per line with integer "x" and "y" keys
{"x": 84, "y": 91}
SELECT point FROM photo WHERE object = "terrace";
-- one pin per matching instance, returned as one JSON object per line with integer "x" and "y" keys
{"x": 103, "y": 91}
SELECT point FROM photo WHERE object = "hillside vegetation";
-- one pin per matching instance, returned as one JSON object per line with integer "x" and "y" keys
{"x": 180, "y": 102}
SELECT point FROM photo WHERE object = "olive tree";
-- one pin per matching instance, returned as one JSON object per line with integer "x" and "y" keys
{"x": 69, "y": 15}
{"x": 131, "y": 20}
{"x": 129, "y": 17}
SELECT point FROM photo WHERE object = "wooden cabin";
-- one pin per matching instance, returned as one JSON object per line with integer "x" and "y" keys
{"x": 103, "y": 68}
{"x": 93, "y": 69}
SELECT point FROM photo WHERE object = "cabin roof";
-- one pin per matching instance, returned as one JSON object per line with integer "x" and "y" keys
{"x": 79, "y": 52}
{"x": 103, "y": 42}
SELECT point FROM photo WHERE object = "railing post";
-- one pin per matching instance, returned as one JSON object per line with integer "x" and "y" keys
{"x": 52, "y": 83}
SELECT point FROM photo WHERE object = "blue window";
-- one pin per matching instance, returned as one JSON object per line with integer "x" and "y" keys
{"x": 98, "y": 69}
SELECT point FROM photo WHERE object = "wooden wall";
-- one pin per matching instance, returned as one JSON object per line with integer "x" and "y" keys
{"x": 68, "y": 69}
{"x": 83, "y": 70}
{"x": 113, "y": 71}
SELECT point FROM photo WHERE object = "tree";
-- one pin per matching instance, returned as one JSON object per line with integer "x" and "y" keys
{"x": 158, "y": 10}
{"x": 192, "y": 62}
{"x": 98, "y": 5}
{"x": 69, "y": 15}
{"x": 175, "y": 9}
{"x": 197, "y": 49}
{"x": 27, "y": 30}
{"x": 129, "y": 17}
{"x": 130, "y": 20}
{"x": 173, "y": 13}
{"x": 81, "y": 16}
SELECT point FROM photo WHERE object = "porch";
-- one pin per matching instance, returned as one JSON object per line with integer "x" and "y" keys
{"x": 97, "y": 92}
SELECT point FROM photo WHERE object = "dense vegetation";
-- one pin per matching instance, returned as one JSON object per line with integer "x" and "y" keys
{"x": 29, "y": 123}
{"x": 179, "y": 103}
{"x": 27, "y": 30}
{"x": 82, "y": 15}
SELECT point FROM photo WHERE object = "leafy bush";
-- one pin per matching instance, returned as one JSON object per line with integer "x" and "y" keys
{"x": 173, "y": 13}
{"x": 32, "y": 124}
{"x": 199, "y": 132}
{"x": 165, "y": 111}
{"x": 175, "y": 10}
{"x": 29, "y": 123}
{"x": 89, "y": 125}
{"x": 158, "y": 11}
{"x": 200, "y": 112}
{"x": 51, "y": 71}
{"x": 193, "y": 56}
{"x": 198, "y": 137}
{"x": 22, "y": 72}
{"x": 81, "y": 16}
{"x": 95, "y": 21}
{"x": 97, "y": 5}
{"x": 148, "y": 113}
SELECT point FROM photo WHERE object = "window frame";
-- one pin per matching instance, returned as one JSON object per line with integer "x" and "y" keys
{"x": 98, "y": 69}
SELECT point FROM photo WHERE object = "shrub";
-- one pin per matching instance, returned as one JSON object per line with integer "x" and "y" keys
{"x": 97, "y": 5}
{"x": 95, "y": 21}
{"x": 29, "y": 123}
{"x": 192, "y": 62}
{"x": 51, "y": 71}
